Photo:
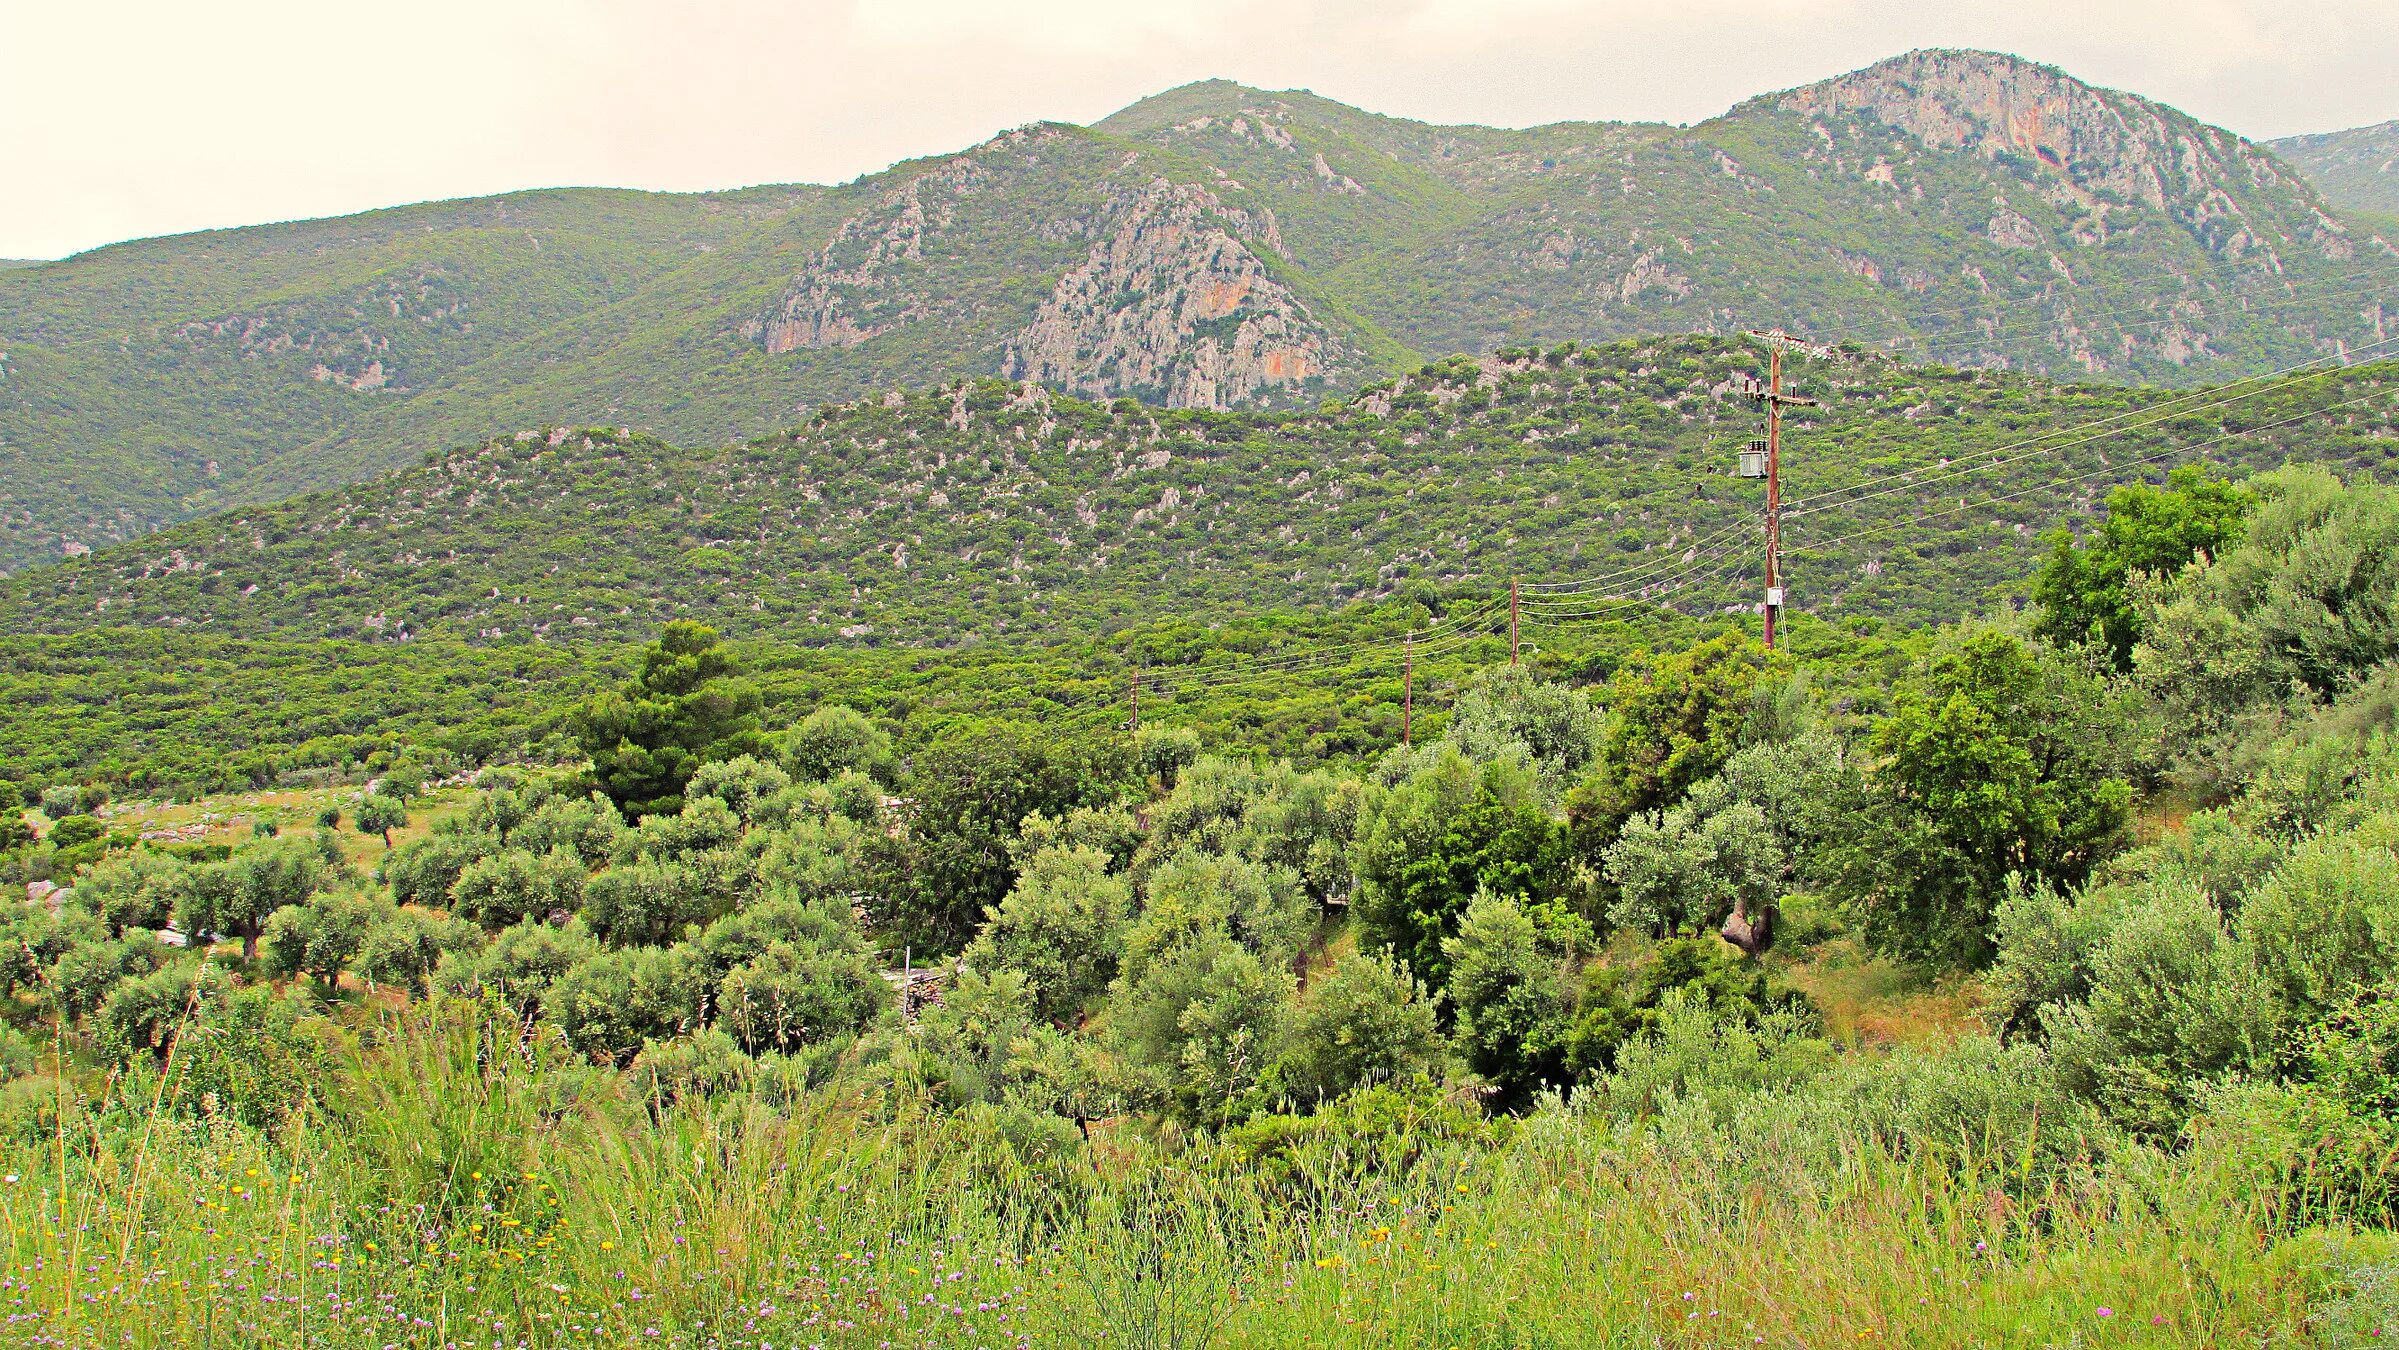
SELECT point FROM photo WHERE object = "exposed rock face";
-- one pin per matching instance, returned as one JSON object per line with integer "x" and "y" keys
{"x": 2095, "y": 148}
{"x": 863, "y": 286}
{"x": 1174, "y": 302}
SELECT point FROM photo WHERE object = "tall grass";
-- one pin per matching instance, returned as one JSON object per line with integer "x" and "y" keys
{"x": 467, "y": 1185}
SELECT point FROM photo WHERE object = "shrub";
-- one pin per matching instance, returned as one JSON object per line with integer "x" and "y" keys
{"x": 403, "y": 946}
{"x": 1365, "y": 1022}
{"x": 318, "y": 938}
{"x": 87, "y": 973}
{"x": 643, "y": 902}
{"x": 521, "y": 965}
{"x": 1060, "y": 927}
{"x": 2172, "y": 1003}
{"x": 506, "y": 888}
{"x": 800, "y": 993}
{"x": 2328, "y": 923}
{"x": 607, "y": 1005}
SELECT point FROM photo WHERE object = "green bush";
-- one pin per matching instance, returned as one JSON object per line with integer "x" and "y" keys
{"x": 1365, "y": 1022}
{"x": 1060, "y": 927}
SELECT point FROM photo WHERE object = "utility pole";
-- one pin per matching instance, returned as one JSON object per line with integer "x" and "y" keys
{"x": 1511, "y": 621}
{"x": 1407, "y": 690}
{"x": 1135, "y": 728}
{"x": 1775, "y": 400}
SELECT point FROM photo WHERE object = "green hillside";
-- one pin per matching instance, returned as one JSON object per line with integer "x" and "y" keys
{"x": 2357, "y": 170}
{"x": 1215, "y": 247}
{"x": 985, "y": 546}
{"x": 982, "y": 510}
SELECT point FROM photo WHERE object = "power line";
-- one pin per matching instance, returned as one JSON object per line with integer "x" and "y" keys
{"x": 2034, "y": 445}
{"x": 1542, "y": 590}
{"x": 2095, "y": 473}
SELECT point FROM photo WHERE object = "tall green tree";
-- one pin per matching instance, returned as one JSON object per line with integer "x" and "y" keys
{"x": 1436, "y": 841}
{"x": 1671, "y": 724}
{"x": 380, "y": 813}
{"x": 236, "y": 897}
{"x": 2080, "y": 593}
{"x": 2003, "y": 761}
{"x": 966, "y": 799}
{"x": 686, "y": 706}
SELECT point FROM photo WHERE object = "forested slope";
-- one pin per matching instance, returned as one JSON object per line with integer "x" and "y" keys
{"x": 983, "y": 510}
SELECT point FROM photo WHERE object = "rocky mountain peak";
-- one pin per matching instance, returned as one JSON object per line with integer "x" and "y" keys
{"x": 2088, "y": 148}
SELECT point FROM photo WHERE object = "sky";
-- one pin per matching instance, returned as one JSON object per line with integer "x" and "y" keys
{"x": 127, "y": 118}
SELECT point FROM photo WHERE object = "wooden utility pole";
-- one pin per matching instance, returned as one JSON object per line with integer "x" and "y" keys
{"x": 1512, "y": 621}
{"x": 1775, "y": 400}
{"x": 1136, "y": 724}
{"x": 1407, "y": 690}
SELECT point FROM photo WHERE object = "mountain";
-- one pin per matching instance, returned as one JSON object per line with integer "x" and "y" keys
{"x": 1214, "y": 247}
{"x": 983, "y": 509}
{"x": 2357, "y": 170}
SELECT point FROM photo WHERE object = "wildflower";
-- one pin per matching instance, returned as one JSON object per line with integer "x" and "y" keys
{"x": 2105, "y": 1311}
{"x": 606, "y": 1245}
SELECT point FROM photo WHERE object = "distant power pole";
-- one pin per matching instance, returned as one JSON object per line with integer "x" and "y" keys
{"x": 1775, "y": 400}
{"x": 1511, "y": 621}
{"x": 1136, "y": 724}
{"x": 1407, "y": 690}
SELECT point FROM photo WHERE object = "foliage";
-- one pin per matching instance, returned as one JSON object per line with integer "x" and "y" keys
{"x": 266, "y": 674}
{"x": 1200, "y": 1025}
{"x": 833, "y": 740}
{"x": 1059, "y": 927}
{"x": 1443, "y": 836}
{"x": 684, "y": 707}
{"x": 236, "y": 897}
{"x": 967, "y": 800}
{"x": 1508, "y": 986}
{"x": 2001, "y": 762}
{"x": 2081, "y": 590}
{"x": 379, "y": 814}
{"x": 1365, "y": 1022}
{"x": 1672, "y": 722}
{"x": 319, "y": 936}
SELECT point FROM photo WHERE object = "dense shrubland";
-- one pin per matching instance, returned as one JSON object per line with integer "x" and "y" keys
{"x": 985, "y": 549}
{"x": 1518, "y": 1034}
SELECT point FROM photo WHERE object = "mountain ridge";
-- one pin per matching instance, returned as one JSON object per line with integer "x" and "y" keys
{"x": 2358, "y": 168}
{"x": 1210, "y": 246}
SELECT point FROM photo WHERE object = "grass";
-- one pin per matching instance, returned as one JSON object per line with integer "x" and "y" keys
{"x": 230, "y": 818}
{"x": 1871, "y": 1000}
{"x": 462, "y": 1187}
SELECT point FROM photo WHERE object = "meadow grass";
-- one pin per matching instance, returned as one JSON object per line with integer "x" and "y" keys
{"x": 462, "y": 1186}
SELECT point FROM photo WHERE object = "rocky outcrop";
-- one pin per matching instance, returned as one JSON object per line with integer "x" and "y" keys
{"x": 874, "y": 275}
{"x": 863, "y": 285}
{"x": 2091, "y": 149}
{"x": 1174, "y": 302}
{"x": 349, "y": 339}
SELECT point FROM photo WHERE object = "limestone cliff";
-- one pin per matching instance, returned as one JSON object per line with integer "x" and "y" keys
{"x": 2092, "y": 150}
{"x": 1174, "y": 302}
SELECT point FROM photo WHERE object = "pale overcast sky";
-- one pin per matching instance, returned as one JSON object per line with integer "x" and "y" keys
{"x": 121, "y": 119}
